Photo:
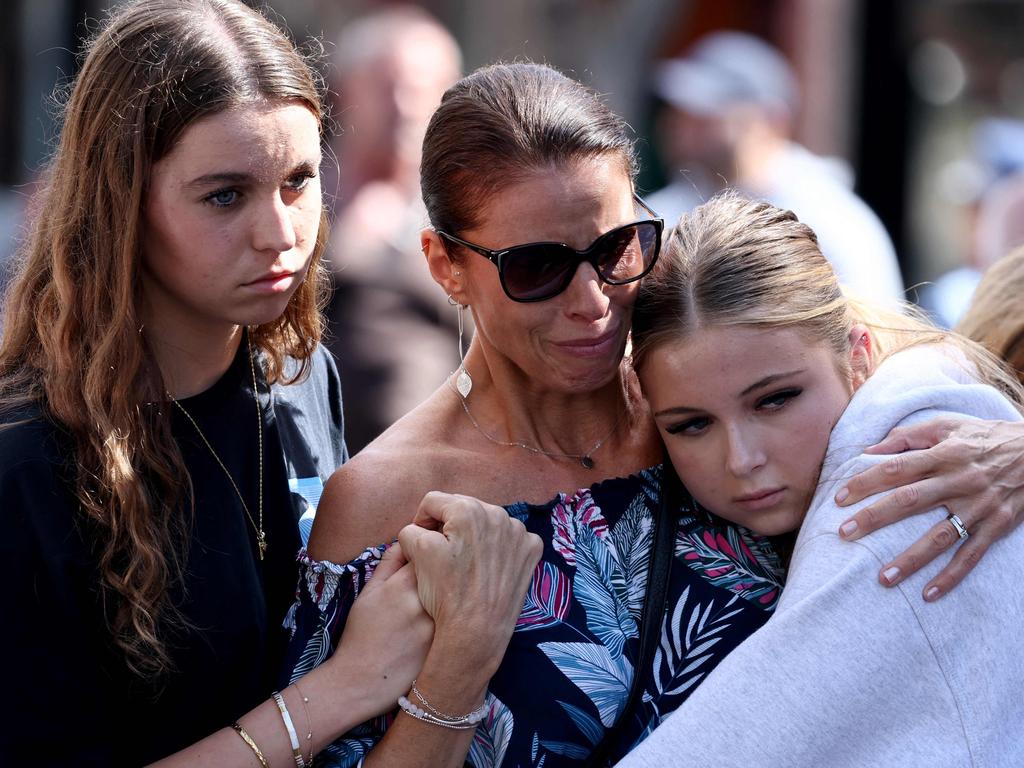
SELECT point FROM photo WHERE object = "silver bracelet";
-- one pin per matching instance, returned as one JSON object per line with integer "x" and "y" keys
{"x": 436, "y": 717}
{"x": 293, "y": 737}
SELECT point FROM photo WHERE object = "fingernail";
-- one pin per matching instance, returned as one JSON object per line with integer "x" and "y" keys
{"x": 841, "y": 496}
{"x": 848, "y": 528}
{"x": 891, "y": 574}
{"x": 932, "y": 593}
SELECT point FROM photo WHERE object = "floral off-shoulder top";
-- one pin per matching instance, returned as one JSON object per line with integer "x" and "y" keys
{"x": 570, "y": 664}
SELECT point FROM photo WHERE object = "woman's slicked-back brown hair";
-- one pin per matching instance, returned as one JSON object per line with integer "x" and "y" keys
{"x": 503, "y": 123}
{"x": 72, "y": 338}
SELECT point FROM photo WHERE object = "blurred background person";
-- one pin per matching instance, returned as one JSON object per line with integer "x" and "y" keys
{"x": 989, "y": 187}
{"x": 895, "y": 90}
{"x": 395, "y": 338}
{"x": 728, "y": 121}
{"x": 995, "y": 318}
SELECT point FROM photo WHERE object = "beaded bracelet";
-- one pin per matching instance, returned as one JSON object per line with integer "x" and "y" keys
{"x": 289, "y": 726}
{"x": 436, "y": 717}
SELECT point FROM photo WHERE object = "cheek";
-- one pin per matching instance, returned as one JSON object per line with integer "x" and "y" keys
{"x": 306, "y": 218}
{"x": 812, "y": 435}
{"x": 699, "y": 468}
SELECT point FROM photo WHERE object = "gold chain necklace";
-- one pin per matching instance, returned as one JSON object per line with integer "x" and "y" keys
{"x": 261, "y": 537}
{"x": 586, "y": 460}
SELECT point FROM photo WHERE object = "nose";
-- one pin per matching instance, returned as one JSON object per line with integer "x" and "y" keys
{"x": 273, "y": 228}
{"x": 744, "y": 453}
{"x": 585, "y": 298}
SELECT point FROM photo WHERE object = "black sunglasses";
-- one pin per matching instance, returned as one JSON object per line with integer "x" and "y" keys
{"x": 540, "y": 271}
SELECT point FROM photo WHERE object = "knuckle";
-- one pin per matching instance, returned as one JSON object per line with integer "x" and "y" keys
{"x": 895, "y": 466}
{"x": 971, "y": 557}
{"x": 907, "y": 495}
{"x": 911, "y": 562}
{"x": 1002, "y": 520}
{"x": 942, "y": 538}
{"x": 868, "y": 518}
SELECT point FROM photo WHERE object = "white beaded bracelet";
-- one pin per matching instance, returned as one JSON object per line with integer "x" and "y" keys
{"x": 290, "y": 727}
{"x": 456, "y": 722}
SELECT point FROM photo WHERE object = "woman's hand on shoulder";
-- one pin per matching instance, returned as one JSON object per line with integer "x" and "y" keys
{"x": 974, "y": 468}
{"x": 473, "y": 565}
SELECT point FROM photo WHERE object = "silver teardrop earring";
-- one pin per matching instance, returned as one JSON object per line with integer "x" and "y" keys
{"x": 463, "y": 382}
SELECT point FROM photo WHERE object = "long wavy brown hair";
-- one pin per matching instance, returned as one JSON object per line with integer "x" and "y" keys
{"x": 72, "y": 344}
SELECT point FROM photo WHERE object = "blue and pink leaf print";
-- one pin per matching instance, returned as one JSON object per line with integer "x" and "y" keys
{"x": 492, "y": 736}
{"x": 729, "y": 561}
{"x": 547, "y": 600}
{"x": 591, "y": 668}
{"x": 569, "y": 516}
{"x": 608, "y": 616}
{"x": 631, "y": 541}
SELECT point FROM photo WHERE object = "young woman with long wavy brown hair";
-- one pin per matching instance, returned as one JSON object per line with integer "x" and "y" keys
{"x": 167, "y": 416}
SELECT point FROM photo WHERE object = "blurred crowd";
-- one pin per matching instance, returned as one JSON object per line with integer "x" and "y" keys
{"x": 725, "y": 113}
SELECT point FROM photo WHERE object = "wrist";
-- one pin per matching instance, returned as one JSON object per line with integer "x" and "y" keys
{"x": 455, "y": 681}
{"x": 351, "y": 690}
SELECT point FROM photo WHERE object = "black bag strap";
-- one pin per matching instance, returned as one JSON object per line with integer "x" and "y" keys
{"x": 652, "y": 615}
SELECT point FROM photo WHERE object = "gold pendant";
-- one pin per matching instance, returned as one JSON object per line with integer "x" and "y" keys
{"x": 261, "y": 541}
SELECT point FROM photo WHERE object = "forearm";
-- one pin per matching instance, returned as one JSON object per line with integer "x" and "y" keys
{"x": 339, "y": 695}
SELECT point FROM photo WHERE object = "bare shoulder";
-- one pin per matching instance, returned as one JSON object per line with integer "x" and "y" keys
{"x": 369, "y": 499}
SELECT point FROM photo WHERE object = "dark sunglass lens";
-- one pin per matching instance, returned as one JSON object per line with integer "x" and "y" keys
{"x": 627, "y": 253}
{"x": 536, "y": 272}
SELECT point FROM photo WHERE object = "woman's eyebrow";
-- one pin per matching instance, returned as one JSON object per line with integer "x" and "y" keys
{"x": 226, "y": 177}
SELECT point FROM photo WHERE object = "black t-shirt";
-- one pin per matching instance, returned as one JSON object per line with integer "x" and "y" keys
{"x": 73, "y": 702}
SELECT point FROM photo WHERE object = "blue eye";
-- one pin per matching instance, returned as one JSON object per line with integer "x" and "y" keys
{"x": 299, "y": 181}
{"x": 222, "y": 198}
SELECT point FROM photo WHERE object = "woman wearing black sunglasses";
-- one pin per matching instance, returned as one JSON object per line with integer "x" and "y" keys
{"x": 528, "y": 181}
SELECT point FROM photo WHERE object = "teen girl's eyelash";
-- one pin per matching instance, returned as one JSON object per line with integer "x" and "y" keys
{"x": 777, "y": 400}
{"x": 689, "y": 426}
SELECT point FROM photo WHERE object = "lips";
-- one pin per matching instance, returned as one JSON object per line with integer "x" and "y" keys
{"x": 273, "y": 283}
{"x": 759, "y": 500}
{"x": 590, "y": 346}
{"x": 271, "y": 277}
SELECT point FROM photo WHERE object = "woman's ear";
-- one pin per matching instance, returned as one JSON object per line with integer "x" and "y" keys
{"x": 446, "y": 273}
{"x": 862, "y": 355}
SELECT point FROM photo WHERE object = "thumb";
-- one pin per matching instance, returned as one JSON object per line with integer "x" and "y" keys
{"x": 392, "y": 559}
{"x": 434, "y": 510}
{"x": 412, "y": 539}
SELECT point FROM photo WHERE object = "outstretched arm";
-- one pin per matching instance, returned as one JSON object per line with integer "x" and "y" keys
{"x": 974, "y": 468}
{"x": 380, "y": 652}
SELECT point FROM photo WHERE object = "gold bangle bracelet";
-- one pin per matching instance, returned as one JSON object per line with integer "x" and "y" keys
{"x": 251, "y": 744}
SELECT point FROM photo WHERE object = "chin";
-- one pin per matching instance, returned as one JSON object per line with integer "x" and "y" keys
{"x": 265, "y": 313}
{"x": 593, "y": 379}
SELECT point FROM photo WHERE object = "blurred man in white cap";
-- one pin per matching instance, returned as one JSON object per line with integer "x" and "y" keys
{"x": 728, "y": 120}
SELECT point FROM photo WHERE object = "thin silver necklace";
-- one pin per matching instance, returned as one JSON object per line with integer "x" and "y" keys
{"x": 586, "y": 460}
{"x": 261, "y": 536}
